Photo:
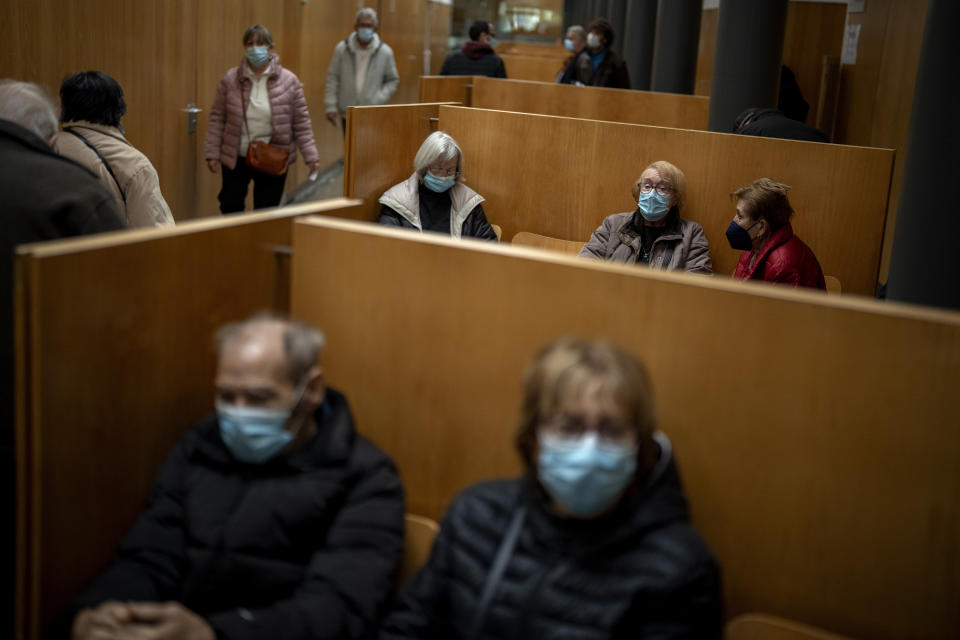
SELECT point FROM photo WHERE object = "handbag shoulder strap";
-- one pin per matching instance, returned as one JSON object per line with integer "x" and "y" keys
{"x": 495, "y": 574}
{"x": 102, "y": 159}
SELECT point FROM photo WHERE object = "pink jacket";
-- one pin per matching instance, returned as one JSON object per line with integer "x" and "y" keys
{"x": 288, "y": 115}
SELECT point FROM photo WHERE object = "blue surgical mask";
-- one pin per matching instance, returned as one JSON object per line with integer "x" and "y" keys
{"x": 568, "y": 44}
{"x": 738, "y": 237}
{"x": 257, "y": 55}
{"x": 365, "y": 34}
{"x": 654, "y": 205}
{"x": 585, "y": 475}
{"x": 493, "y": 43}
{"x": 255, "y": 434}
{"x": 437, "y": 184}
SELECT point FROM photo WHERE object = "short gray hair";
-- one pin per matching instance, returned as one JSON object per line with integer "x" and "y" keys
{"x": 29, "y": 106}
{"x": 438, "y": 146}
{"x": 302, "y": 344}
{"x": 366, "y": 13}
{"x": 579, "y": 31}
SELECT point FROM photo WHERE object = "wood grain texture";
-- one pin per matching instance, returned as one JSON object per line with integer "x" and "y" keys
{"x": 520, "y": 163}
{"x": 115, "y": 345}
{"x": 594, "y": 103}
{"x": 527, "y": 239}
{"x": 826, "y": 486}
{"x": 446, "y": 89}
{"x": 539, "y": 68}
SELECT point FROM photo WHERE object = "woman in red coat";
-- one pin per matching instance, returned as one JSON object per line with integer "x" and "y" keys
{"x": 761, "y": 229}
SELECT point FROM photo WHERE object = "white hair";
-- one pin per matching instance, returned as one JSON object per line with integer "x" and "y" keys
{"x": 302, "y": 344}
{"x": 579, "y": 31}
{"x": 366, "y": 13}
{"x": 438, "y": 146}
{"x": 29, "y": 106}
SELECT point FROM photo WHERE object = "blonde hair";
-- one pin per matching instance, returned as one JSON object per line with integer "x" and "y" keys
{"x": 671, "y": 174}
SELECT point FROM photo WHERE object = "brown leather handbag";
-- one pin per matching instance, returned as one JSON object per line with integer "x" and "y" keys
{"x": 267, "y": 158}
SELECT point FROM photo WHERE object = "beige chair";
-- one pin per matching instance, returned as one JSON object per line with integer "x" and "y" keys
{"x": 833, "y": 285}
{"x": 758, "y": 626}
{"x": 528, "y": 239}
{"x": 497, "y": 230}
{"x": 416, "y": 547}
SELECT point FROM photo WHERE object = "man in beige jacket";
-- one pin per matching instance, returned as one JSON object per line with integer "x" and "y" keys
{"x": 92, "y": 106}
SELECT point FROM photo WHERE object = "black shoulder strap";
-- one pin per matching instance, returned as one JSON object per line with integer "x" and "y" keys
{"x": 103, "y": 160}
{"x": 496, "y": 572}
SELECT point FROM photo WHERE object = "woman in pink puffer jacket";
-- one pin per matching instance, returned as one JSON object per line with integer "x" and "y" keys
{"x": 258, "y": 100}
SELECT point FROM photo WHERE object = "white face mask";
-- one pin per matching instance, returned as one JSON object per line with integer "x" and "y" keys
{"x": 593, "y": 41}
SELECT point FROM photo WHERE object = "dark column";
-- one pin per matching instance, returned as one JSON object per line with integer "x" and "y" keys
{"x": 746, "y": 64}
{"x": 924, "y": 267}
{"x": 639, "y": 29}
{"x": 617, "y": 14}
{"x": 675, "y": 46}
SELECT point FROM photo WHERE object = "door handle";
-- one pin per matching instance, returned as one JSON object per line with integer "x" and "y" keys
{"x": 192, "y": 110}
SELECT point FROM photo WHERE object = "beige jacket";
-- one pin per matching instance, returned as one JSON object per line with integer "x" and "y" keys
{"x": 144, "y": 206}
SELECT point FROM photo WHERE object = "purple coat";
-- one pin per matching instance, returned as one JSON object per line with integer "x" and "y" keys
{"x": 288, "y": 115}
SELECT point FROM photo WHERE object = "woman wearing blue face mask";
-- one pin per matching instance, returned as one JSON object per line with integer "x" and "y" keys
{"x": 594, "y": 541}
{"x": 653, "y": 234}
{"x": 433, "y": 198}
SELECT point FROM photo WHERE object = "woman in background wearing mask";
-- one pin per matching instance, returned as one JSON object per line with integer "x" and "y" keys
{"x": 257, "y": 100}
{"x": 594, "y": 541}
{"x": 654, "y": 234}
{"x": 602, "y": 67}
{"x": 761, "y": 229}
{"x": 433, "y": 198}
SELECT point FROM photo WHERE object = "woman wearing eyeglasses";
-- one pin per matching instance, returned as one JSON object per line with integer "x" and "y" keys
{"x": 433, "y": 198}
{"x": 653, "y": 234}
{"x": 594, "y": 541}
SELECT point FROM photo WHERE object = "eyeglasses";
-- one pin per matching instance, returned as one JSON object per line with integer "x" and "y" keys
{"x": 663, "y": 188}
{"x": 440, "y": 172}
{"x": 572, "y": 426}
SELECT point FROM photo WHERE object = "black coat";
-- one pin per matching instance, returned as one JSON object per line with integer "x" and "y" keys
{"x": 771, "y": 123}
{"x": 474, "y": 59}
{"x": 611, "y": 72}
{"x": 306, "y": 545}
{"x": 640, "y": 572}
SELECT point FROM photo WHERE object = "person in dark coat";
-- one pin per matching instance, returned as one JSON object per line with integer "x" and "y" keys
{"x": 602, "y": 67}
{"x": 576, "y": 43}
{"x": 594, "y": 541}
{"x": 772, "y": 123}
{"x": 44, "y": 197}
{"x": 476, "y": 57}
{"x": 761, "y": 229}
{"x": 273, "y": 519}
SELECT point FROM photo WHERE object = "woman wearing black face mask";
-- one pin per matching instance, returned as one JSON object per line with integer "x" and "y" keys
{"x": 602, "y": 67}
{"x": 761, "y": 229}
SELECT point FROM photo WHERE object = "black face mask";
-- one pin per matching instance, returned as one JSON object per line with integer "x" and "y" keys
{"x": 738, "y": 237}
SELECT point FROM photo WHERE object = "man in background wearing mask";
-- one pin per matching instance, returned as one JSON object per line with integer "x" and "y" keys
{"x": 362, "y": 71}
{"x": 271, "y": 519}
{"x": 575, "y": 42}
{"x": 476, "y": 57}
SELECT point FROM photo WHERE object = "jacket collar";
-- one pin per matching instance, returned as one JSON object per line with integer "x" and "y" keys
{"x": 779, "y": 236}
{"x": 113, "y": 132}
{"x": 352, "y": 45}
{"x": 629, "y": 232}
{"x": 272, "y": 71}
{"x": 12, "y": 130}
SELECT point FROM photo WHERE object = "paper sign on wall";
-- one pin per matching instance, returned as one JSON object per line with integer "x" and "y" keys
{"x": 851, "y": 38}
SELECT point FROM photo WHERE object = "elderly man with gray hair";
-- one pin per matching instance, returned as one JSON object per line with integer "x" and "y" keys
{"x": 271, "y": 519}
{"x": 362, "y": 71}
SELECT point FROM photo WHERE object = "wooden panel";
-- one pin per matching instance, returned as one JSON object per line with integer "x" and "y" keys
{"x": 763, "y": 627}
{"x": 381, "y": 144}
{"x": 595, "y": 103}
{"x": 116, "y": 360}
{"x": 816, "y": 435}
{"x": 541, "y": 69}
{"x": 531, "y": 184}
{"x": 528, "y": 239}
{"x": 530, "y": 49}
{"x": 402, "y": 26}
{"x": 446, "y": 89}
{"x": 440, "y": 16}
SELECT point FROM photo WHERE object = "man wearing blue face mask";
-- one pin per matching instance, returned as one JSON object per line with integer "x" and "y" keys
{"x": 272, "y": 519}
{"x": 594, "y": 541}
{"x": 654, "y": 234}
{"x": 362, "y": 70}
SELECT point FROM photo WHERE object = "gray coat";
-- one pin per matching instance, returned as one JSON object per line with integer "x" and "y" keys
{"x": 378, "y": 85}
{"x": 685, "y": 248}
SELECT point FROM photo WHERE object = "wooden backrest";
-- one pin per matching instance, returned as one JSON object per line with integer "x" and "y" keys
{"x": 420, "y": 533}
{"x": 833, "y": 285}
{"x": 527, "y": 239}
{"x": 531, "y": 49}
{"x": 560, "y": 177}
{"x": 446, "y": 89}
{"x": 816, "y": 435}
{"x": 114, "y": 360}
{"x": 594, "y": 103}
{"x": 757, "y": 626}
{"x": 538, "y": 68}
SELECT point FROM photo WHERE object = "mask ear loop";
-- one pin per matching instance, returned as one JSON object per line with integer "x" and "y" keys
{"x": 301, "y": 389}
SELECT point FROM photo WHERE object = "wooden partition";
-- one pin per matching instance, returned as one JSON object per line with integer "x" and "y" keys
{"x": 560, "y": 177}
{"x": 532, "y": 49}
{"x": 594, "y": 103}
{"x": 446, "y": 89}
{"x": 380, "y": 147}
{"x": 538, "y": 68}
{"x": 817, "y": 436}
{"x": 114, "y": 360}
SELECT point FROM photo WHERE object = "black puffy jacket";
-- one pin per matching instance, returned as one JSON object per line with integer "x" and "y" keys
{"x": 639, "y": 572}
{"x": 304, "y": 546}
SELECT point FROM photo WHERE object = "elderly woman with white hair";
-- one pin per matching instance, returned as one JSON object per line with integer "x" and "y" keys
{"x": 433, "y": 198}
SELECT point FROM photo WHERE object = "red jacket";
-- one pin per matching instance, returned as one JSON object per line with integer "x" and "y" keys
{"x": 288, "y": 114}
{"x": 784, "y": 258}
